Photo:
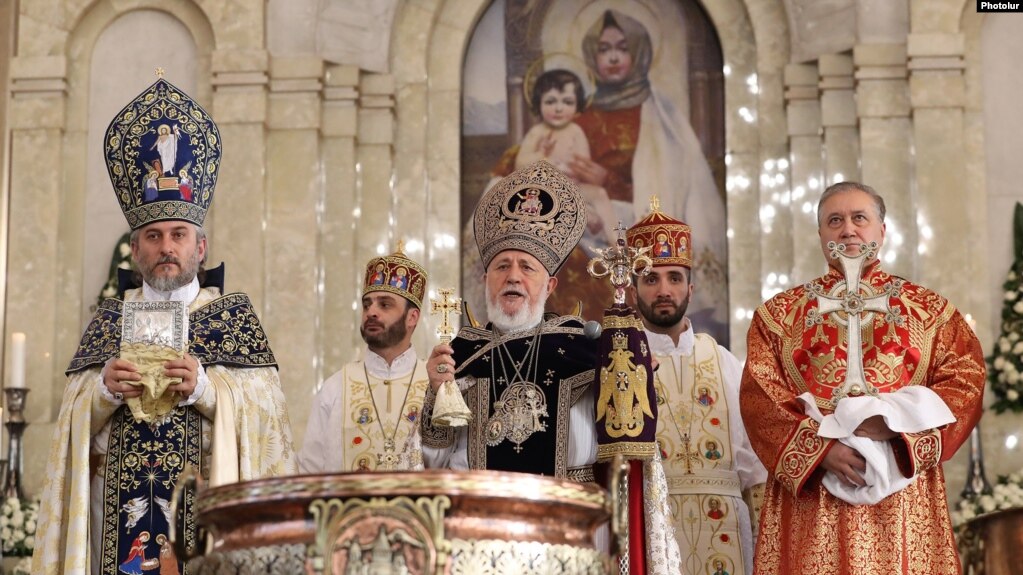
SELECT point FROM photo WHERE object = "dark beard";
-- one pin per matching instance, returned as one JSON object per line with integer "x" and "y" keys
{"x": 189, "y": 268}
{"x": 387, "y": 338}
{"x": 660, "y": 319}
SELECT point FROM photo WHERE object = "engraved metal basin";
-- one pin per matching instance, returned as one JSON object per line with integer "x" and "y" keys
{"x": 430, "y": 522}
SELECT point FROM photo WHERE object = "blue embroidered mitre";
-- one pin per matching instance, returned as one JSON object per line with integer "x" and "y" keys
{"x": 163, "y": 154}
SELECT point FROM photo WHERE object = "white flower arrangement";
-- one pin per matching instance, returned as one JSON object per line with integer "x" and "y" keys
{"x": 1006, "y": 494}
{"x": 18, "y": 526}
{"x": 23, "y": 567}
{"x": 1005, "y": 373}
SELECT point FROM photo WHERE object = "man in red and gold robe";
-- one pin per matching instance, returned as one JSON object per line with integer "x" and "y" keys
{"x": 795, "y": 347}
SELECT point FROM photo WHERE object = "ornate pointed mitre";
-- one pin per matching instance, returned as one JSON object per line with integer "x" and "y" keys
{"x": 163, "y": 154}
{"x": 537, "y": 210}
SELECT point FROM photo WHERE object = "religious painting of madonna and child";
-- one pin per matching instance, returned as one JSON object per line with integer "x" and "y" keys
{"x": 625, "y": 97}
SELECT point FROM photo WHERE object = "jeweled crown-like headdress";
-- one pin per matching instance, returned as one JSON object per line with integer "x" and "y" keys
{"x": 163, "y": 154}
{"x": 537, "y": 210}
{"x": 671, "y": 239}
{"x": 397, "y": 274}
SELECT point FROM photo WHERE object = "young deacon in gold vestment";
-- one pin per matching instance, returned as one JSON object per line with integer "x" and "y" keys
{"x": 714, "y": 478}
{"x": 869, "y": 498}
{"x": 366, "y": 416}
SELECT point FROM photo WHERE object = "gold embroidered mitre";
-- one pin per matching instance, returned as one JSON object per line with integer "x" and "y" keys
{"x": 537, "y": 210}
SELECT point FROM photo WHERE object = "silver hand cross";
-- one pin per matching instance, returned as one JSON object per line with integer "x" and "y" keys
{"x": 847, "y": 296}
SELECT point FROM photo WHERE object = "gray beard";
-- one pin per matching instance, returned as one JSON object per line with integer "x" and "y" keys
{"x": 528, "y": 315}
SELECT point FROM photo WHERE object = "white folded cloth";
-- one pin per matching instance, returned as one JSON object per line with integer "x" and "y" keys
{"x": 910, "y": 409}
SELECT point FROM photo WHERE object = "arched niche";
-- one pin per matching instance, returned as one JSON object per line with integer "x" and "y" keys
{"x": 428, "y": 48}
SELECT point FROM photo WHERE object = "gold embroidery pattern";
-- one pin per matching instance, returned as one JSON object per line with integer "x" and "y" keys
{"x": 385, "y": 433}
{"x": 785, "y": 316}
{"x": 102, "y": 338}
{"x": 623, "y": 402}
{"x": 125, "y": 151}
{"x": 143, "y": 463}
{"x": 925, "y": 448}
{"x": 797, "y": 460}
{"x": 226, "y": 331}
{"x": 579, "y": 383}
{"x": 908, "y": 534}
{"x": 479, "y": 403}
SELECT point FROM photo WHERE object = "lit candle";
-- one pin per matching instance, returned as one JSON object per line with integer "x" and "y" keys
{"x": 17, "y": 360}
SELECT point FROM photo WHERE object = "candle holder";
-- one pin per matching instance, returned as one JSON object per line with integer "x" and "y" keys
{"x": 16, "y": 424}
{"x": 976, "y": 481}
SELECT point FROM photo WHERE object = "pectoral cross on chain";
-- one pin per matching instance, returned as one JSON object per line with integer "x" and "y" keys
{"x": 853, "y": 301}
{"x": 688, "y": 455}
{"x": 444, "y": 307}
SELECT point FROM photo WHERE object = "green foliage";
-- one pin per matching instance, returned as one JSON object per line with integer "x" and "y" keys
{"x": 1005, "y": 364}
{"x": 121, "y": 258}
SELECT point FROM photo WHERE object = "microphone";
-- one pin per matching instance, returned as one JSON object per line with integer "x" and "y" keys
{"x": 592, "y": 329}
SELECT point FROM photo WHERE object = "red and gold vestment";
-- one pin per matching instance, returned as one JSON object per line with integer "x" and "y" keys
{"x": 805, "y": 529}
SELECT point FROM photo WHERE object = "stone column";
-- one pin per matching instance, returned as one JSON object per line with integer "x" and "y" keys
{"x": 38, "y": 268}
{"x": 341, "y": 265}
{"x": 238, "y": 214}
{"x": 886, "y": 143}
{"x": 937, "y": 94}
{"x": 378, "y": 232}
{"x": 806, "y": 153}
{"x": 838, "y": 117}
{"x": 291, "y": 240}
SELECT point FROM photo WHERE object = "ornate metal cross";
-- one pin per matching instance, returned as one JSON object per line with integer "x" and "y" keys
{"x": 620, "y": 262}
{"x": 444, "y": 307}
{"x": 853, "y": 298}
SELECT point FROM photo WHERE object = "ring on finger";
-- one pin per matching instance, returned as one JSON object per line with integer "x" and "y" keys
{"x": 442, "y": 368}
{"x": 118, "y": 396}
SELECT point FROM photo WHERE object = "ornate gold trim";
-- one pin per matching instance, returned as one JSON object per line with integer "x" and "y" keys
{"x": 800, "y": 455}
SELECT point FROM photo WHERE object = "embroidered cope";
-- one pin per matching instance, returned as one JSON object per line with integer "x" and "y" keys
{"x": 105, "y": 504}
{"x": 908, "y": 532}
